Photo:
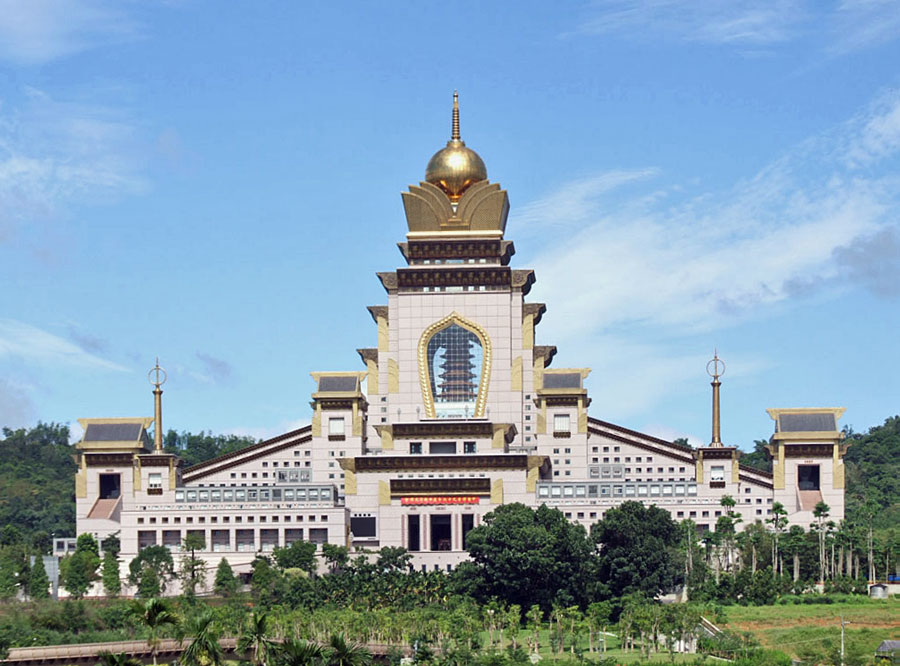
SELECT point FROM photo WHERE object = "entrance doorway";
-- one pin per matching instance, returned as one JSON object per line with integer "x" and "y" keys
{"x": 440, "y": 533}
{"x": 412, "y": 541}
{"x": 808, "y": 477}
{"x": 110, "y": 486}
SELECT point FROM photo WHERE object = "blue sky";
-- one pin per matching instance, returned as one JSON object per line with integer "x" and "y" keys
{"x": 216, "y": 184}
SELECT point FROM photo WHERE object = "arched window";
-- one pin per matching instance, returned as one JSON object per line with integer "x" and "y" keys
{"x": 454, "y": 364}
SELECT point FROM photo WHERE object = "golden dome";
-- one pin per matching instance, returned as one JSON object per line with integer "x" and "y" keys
{"x": 454, "y": 168}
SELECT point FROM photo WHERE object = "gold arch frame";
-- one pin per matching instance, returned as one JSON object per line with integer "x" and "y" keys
{"x": 425, "y": 384}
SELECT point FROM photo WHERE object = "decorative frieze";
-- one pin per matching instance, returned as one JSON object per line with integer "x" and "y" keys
{"x": 440, "y": 486}
{"x": 402, "y": 463}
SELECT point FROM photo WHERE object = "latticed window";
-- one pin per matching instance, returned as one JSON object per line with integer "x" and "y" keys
{"x": 455, "y": 357}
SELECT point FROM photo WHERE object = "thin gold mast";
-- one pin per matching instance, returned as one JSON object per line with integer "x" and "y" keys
{"x": 157, "y": 377}
{"x": 454, "y": 132}
{"x": 718, "y": 369}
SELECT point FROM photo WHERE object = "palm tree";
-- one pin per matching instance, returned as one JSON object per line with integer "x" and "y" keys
{"x": 156, "y": 616}
{"x": 204, "y": 649}
{"x": 344, "y": 653}
{"x": 255, "y": 639}
{"x": 779, "y": 522}
{"x": 820, "y": 512}
{"x": 117, "y": 659}
{"x": 294, "y": 652}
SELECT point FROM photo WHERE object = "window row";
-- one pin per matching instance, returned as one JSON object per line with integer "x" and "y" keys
{"x": 240, "y": 540}
{"x": 442, "y": 448}
{"x": 593, "y": 490}
{"x": 152, "y": 520}
{"x": 307, "y": 494}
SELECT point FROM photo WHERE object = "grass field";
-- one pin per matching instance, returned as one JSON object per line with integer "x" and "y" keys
{"x": 788, "y": 628}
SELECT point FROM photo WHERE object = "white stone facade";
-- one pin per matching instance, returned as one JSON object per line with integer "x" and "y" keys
{"x": 376, "y": 468}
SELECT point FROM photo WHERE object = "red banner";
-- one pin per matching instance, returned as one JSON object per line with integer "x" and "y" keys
{"x": 418, "y": 501}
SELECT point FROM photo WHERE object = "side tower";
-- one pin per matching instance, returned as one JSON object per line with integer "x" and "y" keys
{"x": 807, "y": 452}
{"x": 718, "y": 466}
{"x": 120, "y": 471}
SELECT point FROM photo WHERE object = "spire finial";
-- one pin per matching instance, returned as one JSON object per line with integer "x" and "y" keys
{"x": 454, "y": 134}
{"x": 718, "y": 369}
{"x": 157, "y": 377}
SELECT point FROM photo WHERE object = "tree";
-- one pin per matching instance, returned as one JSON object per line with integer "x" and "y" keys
{"x": 226, "y": 582}
{"x": 294, "y": 652}
{"x": 599, "y": 614}
{"x": 335, "y": 556}
{"x": 9, "y": 574}
{"x": 78, "y": 571}
{"x": 760, "y": 458}
{"x": 820, "y": 512}
{"x": 118, "y": 659}
{"x": 204, "y": 648}
{"x": 38, "y": 583}
{"x": 535, "y": 621}
{"x": 194, "y": 448}
{"x": 299, "y": 555}
{"x": 156, "y": 615}
{"x": 527, "y": 556}
{"x": 255, "y": 638}
{"x": 110, "y": 574}
{"x": 37, "y": 475}
{"x": 392, "y": 559}
{"x": 778, "y": 521}
{"x": 268, "y": 584}
{"x": 342, "y": 652}
{"x": 636, "y": 549}
{"x": 193, "y": 569}
{"x": 793, "y": 544}
{"x": 151, "y": 570}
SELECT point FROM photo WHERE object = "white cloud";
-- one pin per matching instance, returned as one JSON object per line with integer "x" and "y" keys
{"x": 55, "y": 153}
{"x": 858, "y": 24}
{"x": 24, "y": 342}
{"x": 631, "y": 278}
{"x": 750, "y": 25}
{"x": 39, "y": 31}
{"x": 737, "y": 22}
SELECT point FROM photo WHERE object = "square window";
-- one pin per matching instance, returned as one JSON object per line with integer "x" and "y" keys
{"x": 415, "y": 447}
{"x": 336, "y": 426}
{"x": 560, "y": 423}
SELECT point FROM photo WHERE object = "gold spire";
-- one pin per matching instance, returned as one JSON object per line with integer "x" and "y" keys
{"x": 716, "y": 364}
{"x": 455, "y": 167}
{"x": 157, "y": 377}
{"x": 454, "y": 130}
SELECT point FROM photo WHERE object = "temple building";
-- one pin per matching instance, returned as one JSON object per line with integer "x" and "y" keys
{"x": 456, "y": 410}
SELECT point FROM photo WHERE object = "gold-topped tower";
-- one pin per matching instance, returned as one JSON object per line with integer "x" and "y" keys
{"x": 157, "y": 377}
{"x": 716, "y": 364}
{"x": 455, "y": 167}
